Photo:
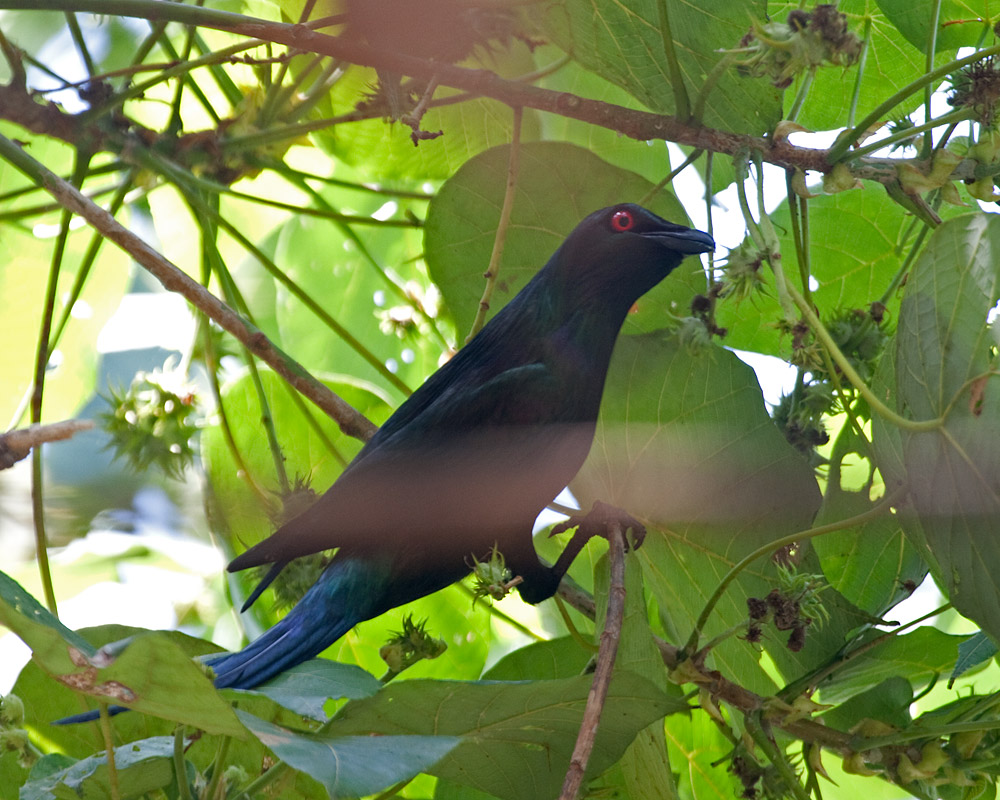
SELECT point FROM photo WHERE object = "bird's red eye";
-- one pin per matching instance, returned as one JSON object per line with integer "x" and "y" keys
{"x": 622, "y": 221}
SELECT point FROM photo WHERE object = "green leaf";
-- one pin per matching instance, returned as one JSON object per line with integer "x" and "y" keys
{"x": 624, "y": 44}
{"x": 352, "y": 766}
{"x": 960, "y": 22}
{"x": 517, "y": 737}
{"x": 142, "y": 766}
{"x": 649, "y": 159}
{"x": 555, "y": 658}
{"x": 888, "y": 702}
{"x": 696, "y": 744}
{"x": 36, "y": 625}
{"x": 873, "y": 565}
{"x": 684, "y": 443}
{"x": 919, "y": 657}
{"x": 945, "y": 365}
{"x": 306, "y": 687}
{"x": 148, "y": 672}
{"x": 46, "y": 700}
{"x": 973, "y": 652}
{"x": 558, "y": 185}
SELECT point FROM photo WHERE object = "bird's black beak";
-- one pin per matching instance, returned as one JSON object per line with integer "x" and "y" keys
{"x": 683, "y": 240}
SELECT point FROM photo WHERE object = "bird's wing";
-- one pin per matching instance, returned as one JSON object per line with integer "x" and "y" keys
{"x": 444, "y": 452}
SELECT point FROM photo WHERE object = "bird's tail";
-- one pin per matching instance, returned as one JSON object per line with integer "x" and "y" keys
{"x": 346, "y": 593}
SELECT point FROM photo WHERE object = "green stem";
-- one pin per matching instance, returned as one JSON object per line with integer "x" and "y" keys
{"x": 876, "y": 404}
{"x": 574, "y": 632}
{"x": 109, "y": 749}
{"x": 43, "y": 352}
{"x": 901, "y": 273}
{"x": 212, "y": 367}
{"x": 799, "y": 216}
{"x": 687, "y": 162}
{"x": 89, "y": 257}
{"x": 929, "y": 54}
{"x": 958, "y": 115}
{"x": 179, "y": 70}
{"x": 844, "y": 141}
{"x": 218, "y": 769}
{"x": 776, "y": 756}
{"x": 80, "y": 42}
{"x": 859, "y": 519}
{"x": 721, "y": 68}
{"x": 861, "y": 744}
{"x": 859, "y": 76}
{"x": 801, "y": 94}
{"x": 772, "y": 244}
{"x": 503, "y": 225}
{"x": 305, "y": 211}
{"x": 794, "y": 689}
{"x": 191, "y": 188}
{"x": 180, "y": 768}
{"x": 682, "y": 103}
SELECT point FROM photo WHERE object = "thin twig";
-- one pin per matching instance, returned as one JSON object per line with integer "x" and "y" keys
{"x": 605, "y": 665}
{"x": 503, "y": 225}
{"x": 16, "y": 444}
{"x": 109, "y": 749}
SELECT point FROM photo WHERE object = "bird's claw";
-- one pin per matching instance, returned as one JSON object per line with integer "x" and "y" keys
{"x": 599, "y": 521}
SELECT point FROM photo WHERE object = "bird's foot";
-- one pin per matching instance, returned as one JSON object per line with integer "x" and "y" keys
{"x": 413, "y": 119}
{"x": 599, "y": 521}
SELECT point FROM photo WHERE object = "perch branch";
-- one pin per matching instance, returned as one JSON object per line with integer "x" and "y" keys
{"x": 605, "y": 665}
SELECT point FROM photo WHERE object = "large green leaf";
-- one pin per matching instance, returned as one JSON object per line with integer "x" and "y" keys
{"x": 558, "y": 185}
{"x": 306, "y": 687}
{"x": 920, "y": 657}
{"x": 945, "y": 365}
{"x": 141, "y": 767}
{"x": 352, "y": 766}
{"x": 149, "y": 672}
{"x": 553, "y": 658}
{"x": 872, "y": 565}
{"x": 517, "y": 737}
{"x": 684, "y": 442}
{"x": 624, "y": 43}
{"x": 960, "y": 22}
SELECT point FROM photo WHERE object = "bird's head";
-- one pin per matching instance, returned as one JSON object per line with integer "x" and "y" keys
{"x": 621, "y": 252}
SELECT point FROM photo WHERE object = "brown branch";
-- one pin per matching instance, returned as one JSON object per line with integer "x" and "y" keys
{"x": 19, "y": 106}
{"x": 16, "y": 444}
{"x": 721, "y": 688}
{"x": 351, "y": 421}
{"x": 605, "y": 666}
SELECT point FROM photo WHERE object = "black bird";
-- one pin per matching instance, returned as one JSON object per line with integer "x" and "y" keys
{"x": 473, "y": 456}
